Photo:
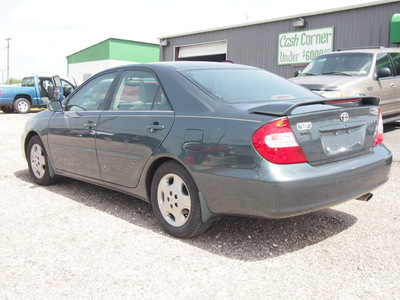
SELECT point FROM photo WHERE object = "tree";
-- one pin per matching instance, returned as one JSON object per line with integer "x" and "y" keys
{"x": 15, "y": 81}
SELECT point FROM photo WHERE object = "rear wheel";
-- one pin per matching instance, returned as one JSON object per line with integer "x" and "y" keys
{"x": 38, "y": 162}
{"x": 22, "y": 105}
{"x": 175, "y": 201}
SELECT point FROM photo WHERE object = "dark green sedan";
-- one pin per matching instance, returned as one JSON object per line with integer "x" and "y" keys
{"x": 200, "y": 140}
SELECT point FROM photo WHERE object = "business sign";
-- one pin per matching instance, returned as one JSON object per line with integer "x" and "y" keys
{"x": 301, "y": 47}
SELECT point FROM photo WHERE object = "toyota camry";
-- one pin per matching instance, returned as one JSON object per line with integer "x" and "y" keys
{"x": 201, "y": 140}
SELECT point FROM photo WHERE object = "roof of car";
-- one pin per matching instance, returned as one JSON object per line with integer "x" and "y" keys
{"x": 187, "y": 65}
{"x": 190, "y": 65}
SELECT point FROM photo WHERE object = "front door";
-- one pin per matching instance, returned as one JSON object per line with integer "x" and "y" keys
{"x": 72, "y": 133}
{"x": 395, "y": 85}
{"x": 387, "y": 90}
{"x": 49, "y": 87}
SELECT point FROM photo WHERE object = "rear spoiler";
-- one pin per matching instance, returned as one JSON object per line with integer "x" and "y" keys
{"x": 285, "y": 108}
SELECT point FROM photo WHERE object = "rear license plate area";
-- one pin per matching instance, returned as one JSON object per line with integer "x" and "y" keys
{"x": 343, "y": 140}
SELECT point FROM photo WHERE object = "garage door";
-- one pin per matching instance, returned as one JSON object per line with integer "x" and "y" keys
{"x": 213, "y": 51}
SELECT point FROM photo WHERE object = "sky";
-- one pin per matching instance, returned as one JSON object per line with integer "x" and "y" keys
{"x": 43, "y": 32}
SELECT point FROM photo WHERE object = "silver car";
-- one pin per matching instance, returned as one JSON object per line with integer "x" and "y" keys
{"x": 361, "y": 72}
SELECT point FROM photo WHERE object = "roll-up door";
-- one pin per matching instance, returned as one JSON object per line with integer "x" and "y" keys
{"x": 214, "y": 51}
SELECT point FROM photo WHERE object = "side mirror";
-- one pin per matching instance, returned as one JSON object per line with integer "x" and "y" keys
{"x": 55, "y": 105}
{"x": 296, "y": 73}
{"x": 384, "y": 72}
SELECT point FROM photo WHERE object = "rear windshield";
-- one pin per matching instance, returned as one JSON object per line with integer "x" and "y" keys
{"x": 350, "y": 64}
{"x": 246, "y": 85}
{"x": 27, "y": 82}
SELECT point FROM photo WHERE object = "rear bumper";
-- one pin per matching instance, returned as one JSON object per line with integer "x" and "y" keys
{"x": 279, "y": 191}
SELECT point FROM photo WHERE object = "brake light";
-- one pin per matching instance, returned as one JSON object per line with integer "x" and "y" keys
{"x": 343, "y": 101}
{"x": 276, "y": 143}
{"x": 379, "y": 133}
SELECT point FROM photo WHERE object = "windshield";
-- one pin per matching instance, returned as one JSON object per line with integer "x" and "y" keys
{"x": 246, "y": 85}
{"x": 350, "y": 64}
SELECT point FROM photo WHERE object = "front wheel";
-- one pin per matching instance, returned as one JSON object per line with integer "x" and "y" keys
{"x": 38, "y": 162}
{"x": 22, "y": 105}
{"x": 175, "y": 201}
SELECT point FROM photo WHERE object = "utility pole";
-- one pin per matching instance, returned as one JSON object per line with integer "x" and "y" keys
{"x": 8, "y": 59}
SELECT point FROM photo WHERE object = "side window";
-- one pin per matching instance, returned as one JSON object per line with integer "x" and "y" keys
{"x": 139, "y": 90}
{"x": 92, "y": 95}
{"x": 396, "y": 61}
{"x": 383, "y": 61}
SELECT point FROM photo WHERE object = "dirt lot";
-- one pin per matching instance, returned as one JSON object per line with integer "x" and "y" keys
{"x": 75, "y": 240}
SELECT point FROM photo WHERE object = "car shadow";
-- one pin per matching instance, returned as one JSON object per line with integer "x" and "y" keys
{"x": 32, "y": 111}
{"x": 241, "y": 238}
{"x": 391, "y": 126}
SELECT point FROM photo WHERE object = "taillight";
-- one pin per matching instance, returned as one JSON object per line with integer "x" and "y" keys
{"x": 276, "y": 142}
{"x": 379, "y": 133}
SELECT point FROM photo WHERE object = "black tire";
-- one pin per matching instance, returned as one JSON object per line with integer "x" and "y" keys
{"x": 22, "y": 106}
{"x": 175, "y": 201}
{"x": 38, "y": 163}
{"x": 7, "y": 109}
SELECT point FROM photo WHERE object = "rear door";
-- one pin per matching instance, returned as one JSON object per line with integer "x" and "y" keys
{"x": 137, "y": 122}
{"x": 72, "y": 132}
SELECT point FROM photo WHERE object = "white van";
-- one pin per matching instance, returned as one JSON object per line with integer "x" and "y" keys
{"x": 361, "y": 72}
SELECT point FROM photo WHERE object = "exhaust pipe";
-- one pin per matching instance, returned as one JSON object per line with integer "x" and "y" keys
{"x": 365, "y": 197}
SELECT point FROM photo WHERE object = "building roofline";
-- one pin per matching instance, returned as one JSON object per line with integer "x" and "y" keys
{"x": 308, "y": 14}
{"x": 115, "y": 39}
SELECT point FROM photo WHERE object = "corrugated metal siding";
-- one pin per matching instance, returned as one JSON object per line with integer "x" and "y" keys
{"x": 257, "y": 45}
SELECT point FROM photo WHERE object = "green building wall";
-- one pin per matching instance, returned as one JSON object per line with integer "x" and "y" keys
{"x": 117, "y": 49}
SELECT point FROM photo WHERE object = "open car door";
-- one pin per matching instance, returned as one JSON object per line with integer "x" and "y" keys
{"x": 58, "y": 93}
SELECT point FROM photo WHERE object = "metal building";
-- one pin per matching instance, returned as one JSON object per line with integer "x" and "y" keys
{"x": 286, "y": 44}
{"x": 109, "y": 53}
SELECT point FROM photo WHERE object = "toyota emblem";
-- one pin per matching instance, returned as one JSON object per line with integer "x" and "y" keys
{"x": 344, "y": 117}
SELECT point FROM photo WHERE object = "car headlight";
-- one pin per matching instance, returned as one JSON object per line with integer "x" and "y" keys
{"x": 331, "y": 94}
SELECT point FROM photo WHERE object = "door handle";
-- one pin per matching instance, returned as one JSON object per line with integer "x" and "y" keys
{"x": 393, "y": 85}
{"x": 89, "y": 124}
{"x": 155, "y": 127}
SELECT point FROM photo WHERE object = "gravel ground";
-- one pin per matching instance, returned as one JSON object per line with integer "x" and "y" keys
{"x": 75, "y": 240}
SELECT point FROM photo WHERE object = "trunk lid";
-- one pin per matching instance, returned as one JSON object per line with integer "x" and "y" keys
{"x": 329, "y": 130}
